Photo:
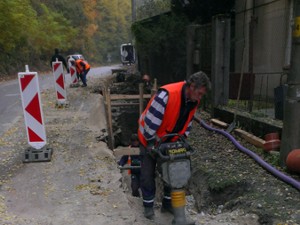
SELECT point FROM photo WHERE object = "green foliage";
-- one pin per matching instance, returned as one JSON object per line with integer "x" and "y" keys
{"x": 32, "y": 29}
{"x": 162, "y": 39}
{"x": 17, "y": 19}
{"x": 202, "y": 11}
{"x": 53, "y": 23}
{"x": 151, "y": 8}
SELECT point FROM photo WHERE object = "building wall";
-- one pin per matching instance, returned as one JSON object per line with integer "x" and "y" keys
{"x": 270, "y": 40}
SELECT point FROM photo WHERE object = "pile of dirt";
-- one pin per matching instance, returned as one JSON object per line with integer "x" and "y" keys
{"x": 82, "y": 185}
{"x": 228, "y": 184}
{"x": 227, "y": 179}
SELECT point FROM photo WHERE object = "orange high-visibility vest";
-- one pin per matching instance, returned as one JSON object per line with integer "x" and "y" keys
{"x": 79, "y": 67}
{"x": 171, "y": 115}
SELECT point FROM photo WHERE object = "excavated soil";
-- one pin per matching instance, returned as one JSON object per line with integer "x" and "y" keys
{"x": 226, "y": 179}
{"x": 228, "y": 182}
{"x": 82, "y": 185}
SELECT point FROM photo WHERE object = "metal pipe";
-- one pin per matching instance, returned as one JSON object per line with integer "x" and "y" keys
{"x": 128, "y": 167}
{"x": 291, "y": 123}
{"x": 288, "y": 47}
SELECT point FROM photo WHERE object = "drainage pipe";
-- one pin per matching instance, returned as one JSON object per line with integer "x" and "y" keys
{"x": 265, "y": 165}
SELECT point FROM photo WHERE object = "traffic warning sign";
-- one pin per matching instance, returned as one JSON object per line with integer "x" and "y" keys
{"x": 59, "y": 78}
{"x": 32, "y": 108}
{"x": 73, "y": 74}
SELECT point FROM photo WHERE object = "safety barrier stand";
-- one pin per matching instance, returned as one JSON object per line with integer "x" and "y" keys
{"x": 33, "y": 116}
{"x": 74, "y": 79}
{"x": 59, "y": 78}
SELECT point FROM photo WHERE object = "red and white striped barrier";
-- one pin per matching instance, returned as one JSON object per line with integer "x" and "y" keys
{"x": 74, "y": 79}
{"x": 59, "y": 78}
{"x": 32, "y": 108}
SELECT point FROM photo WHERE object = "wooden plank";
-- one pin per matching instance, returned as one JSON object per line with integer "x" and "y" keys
{"x": 219, "y": 123}
{"x": 109, "y": 121}
{"x": 154, "y": 88}
{"x": 127, "y": 97}
{"x": 124, "y": 103}
{"x": 117, "y": 70}
{"x": 105, "y": 95}
{"x": 256, "y": 141}
{"x": 141, "y": 98}
{"x": 120, "y": 151}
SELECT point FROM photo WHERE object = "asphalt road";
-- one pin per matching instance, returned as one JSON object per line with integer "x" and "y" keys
{"x": 10, "y": 99}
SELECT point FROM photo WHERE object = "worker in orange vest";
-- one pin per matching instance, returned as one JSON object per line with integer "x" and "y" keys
{"x": 133, "y": 160}
{"x": 170, "y": 111}
{"x": 82, "y": 69}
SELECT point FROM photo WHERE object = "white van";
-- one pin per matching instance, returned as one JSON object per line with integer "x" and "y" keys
{"x": 127, "y": 53}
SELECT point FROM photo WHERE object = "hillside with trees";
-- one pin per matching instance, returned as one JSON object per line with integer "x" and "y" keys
{"x": 31, "y": 29}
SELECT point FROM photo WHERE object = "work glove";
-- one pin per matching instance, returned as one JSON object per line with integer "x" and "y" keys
{"x": 151, "y": 144}
{"x": 151, "y": 148}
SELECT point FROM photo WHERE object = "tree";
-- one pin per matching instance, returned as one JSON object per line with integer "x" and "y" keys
{"x": 61, "y": 33}
{"x": 151, "y": 8}
{"x": 160, "y": 42}
{"x": 201, "y": 11}
{"x": 31, "y": 29}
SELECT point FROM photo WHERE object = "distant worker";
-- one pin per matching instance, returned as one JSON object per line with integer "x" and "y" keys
{"x": 130, "y": 56}
{"x": 135, "y": 161}
{"x": 146, "y": 80}
{"x": 59, "y": 58}
{"x": 147, "y": 83}
{"x": 82, "y": 69}
{"x": 171, "y": 110}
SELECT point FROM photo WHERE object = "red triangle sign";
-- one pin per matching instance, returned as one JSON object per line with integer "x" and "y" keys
{"x": 56, "y": 65}
{"x": 59, "y": 96}
{"x": 60, "y": 81}
{"x": 26, "y": 80}
{"x": 33, "y": 108}
{"x": 33, "y": 137}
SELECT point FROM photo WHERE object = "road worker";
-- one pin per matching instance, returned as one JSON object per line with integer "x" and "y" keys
{"x": 135, "y": 161}
{"x": 82, "y": 69}
{"x": 59, "y": 58}
{"x": 171, "y": 110}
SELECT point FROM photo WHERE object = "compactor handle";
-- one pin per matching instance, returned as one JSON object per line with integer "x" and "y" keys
{"x": 173, "y": 157}
{"x": 159, "y": 149}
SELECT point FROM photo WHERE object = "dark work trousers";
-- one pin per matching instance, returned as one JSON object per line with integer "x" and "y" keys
{"x": 135, "y": 184}
{"x": 83, "y": 76}
{"x": 147, "y": 179}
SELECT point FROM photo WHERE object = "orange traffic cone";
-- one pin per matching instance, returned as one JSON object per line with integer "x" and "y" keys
{"x": 129, "y": 164}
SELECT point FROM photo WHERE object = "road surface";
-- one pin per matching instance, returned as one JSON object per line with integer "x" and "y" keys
{"x": 11, "y": 105}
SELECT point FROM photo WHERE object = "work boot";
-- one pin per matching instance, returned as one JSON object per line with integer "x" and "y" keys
{"x": 149, "y": 212}
{"x": 166, "y": 209}
{"x": 186, "y": 222}
{"x": 136, "y": 194}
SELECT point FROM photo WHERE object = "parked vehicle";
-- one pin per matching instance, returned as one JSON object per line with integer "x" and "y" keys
{"x": 127, "y": 53}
